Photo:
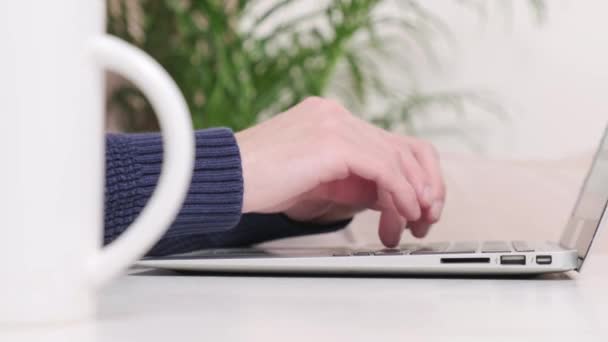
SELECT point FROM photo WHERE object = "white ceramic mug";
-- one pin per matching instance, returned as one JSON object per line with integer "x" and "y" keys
{"x": 52, "y": 59}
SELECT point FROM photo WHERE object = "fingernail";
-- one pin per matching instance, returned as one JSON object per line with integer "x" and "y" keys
{"x": 436, "y": 210}
{"x": 427, "y": 195}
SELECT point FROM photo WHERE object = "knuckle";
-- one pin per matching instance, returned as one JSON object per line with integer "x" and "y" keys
{"x": 313, "y": 101}
{"x": 325, "y": 106}
{"x": 329, "y": 115}
{"x": 333, "y": 109}
{"x": 334, "y": 106}
{"x": 332, "y": 123}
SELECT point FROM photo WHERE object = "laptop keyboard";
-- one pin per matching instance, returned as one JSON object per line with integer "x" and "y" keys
{"x": 464, "y": 247}
{"x": 443, "y": 248}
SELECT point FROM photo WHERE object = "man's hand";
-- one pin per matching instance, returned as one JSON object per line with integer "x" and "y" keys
{"x": 317, "y": 162}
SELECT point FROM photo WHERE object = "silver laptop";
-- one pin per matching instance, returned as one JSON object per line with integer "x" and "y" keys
{"x": 459, "y": 257}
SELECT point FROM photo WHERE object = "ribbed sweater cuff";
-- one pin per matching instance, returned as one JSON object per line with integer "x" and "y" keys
{"x": 214, "y": 199}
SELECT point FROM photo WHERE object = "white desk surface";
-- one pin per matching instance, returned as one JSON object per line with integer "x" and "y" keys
{"x": 162, "y": 306}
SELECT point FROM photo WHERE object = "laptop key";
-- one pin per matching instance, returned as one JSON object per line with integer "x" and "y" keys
{"x": 409, "y": 247}
{"x": 388, "y": 251}
{"x": 341, "y": 254}
{"x": 462, "y": 247}
{"x": 495, "y": 247}
{"x": 433, "y": 248}
{"x": 362, "y": 253}
{"x": 522, "y": 246}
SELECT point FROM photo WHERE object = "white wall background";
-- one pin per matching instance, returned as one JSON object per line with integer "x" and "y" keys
{"x": 551, "y": 78}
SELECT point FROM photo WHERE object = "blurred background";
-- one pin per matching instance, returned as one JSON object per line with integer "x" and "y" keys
{"x": 501, "y": 79}
{"x": 511, "y": 91}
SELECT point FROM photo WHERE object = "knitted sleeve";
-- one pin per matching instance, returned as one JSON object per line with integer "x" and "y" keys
{"x": 211, "y": 213}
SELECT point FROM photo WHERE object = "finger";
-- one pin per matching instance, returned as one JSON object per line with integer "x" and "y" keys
{"x": 401, "y": 150}
{"x": 428, "y": 158}
{"x": 381, "y": 146}
{"x": 416, "y": 175}
{"x": 386, "y": 174}
{"x": 366, "y": 161}
{"x": 419, "y": 228}
{"x": 390, "y": 228}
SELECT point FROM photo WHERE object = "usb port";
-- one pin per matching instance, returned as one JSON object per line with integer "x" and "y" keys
{"x": 513, "y": 260}
{"x": 543, "y": 259}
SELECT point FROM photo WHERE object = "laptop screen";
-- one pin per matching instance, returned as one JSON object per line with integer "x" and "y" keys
{"x": 589, "y": 209}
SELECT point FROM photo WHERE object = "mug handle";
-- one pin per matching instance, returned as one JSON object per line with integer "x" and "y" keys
{"x": 178, "y": 157}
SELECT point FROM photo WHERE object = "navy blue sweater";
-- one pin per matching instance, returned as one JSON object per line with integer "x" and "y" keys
{"x": 211, "y": 214}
